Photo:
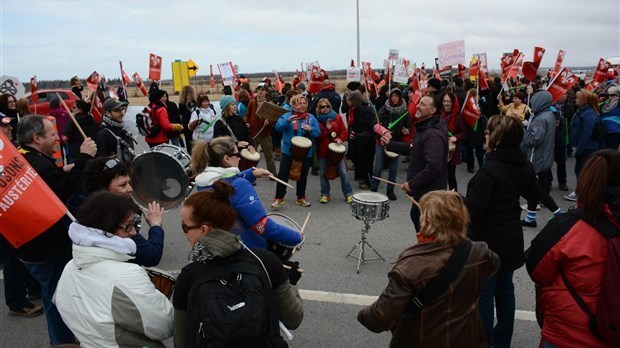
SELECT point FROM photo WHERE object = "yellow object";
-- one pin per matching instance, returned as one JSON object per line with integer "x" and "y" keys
{"x": 180, "y": 75}
{"x": 193, "y": 68}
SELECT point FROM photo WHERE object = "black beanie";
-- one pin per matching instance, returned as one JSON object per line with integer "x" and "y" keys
{"x": 156, "y": 95}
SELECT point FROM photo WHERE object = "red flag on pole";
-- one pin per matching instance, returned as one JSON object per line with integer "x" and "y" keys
{"x": 33, "y": 88}
{"x": 316, "y": 79}
{"x": 592, "y": 85}
{"x": 437, "y": 75}
{"x": 482, "y": 80}
{"x": 601, "y": 71}
{"x": 461, "y": 70}
{"x": 514, "y": 69}
{"x": 561, "y": 83}
{"x": 21, "y": 189}
{"x": 530, "y": 68}
{"x": 279, "y": 82}
{"x": 126, "y": 78}
{"x": 92, "y": 81}
{"x": 470, "y": 110}
{"x": 96, "y": 108}
{"x": 211, "y": 79}
{"x": 559, "y": 60}
{"x": 474, "y": 69}
{"x": 138, "y": 80}
{"x": 154, "y": 67}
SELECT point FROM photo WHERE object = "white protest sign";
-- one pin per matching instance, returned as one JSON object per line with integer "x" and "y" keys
{"x": 393, "y": 54}
{"x": 400, "y": 73}
{"x": 227, "y": 73}
{"x": 309, "y": 68}
{"x": 354, "y": 74}
{"x": 482, "y": 57}
{"x": 11, "y": 85}
{"x": 451, "y": 53}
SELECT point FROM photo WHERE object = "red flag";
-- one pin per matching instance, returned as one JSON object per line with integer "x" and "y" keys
{"x": 436, "y": 74}
{"x": 138, "y": 80}
{"x": 126, "y": 78}
{"x": 482, "y": 80}
{"x": 559, "y": 60}
{"x": 316, "y": 82}
{"x": 617, "y": 73}
{"x": 474, "y": 69}
{"x": 21, "y": 189}
{"x": 369, "y": 79}
{"x": 601, "y": 71}
{"x": 33, "y": 88}
{"x": 211, "y": 79}
{"x": 423, "y": 72}
{"x": 592, "y": 85}
{"x": 352, "y": 63}
{"x": 96, "y": 108}
{"x": 92, "y": 81}
{"x": 561, "y": 83}
{"x": 530, "y": 68}
{"x": 470, "y": 110}
{"x": 279, "y": 82}
{"x": 462, "y": 69}
{"x": 514, "y": 70}
{"x": 154, "y": 67}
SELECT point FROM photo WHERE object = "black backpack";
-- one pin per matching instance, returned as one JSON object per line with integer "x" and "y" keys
{"x": 232, "y": 305}
{"x": 145, "y": 124}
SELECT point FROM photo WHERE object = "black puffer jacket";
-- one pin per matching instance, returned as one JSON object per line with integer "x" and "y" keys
{"x": 493, "y": 203}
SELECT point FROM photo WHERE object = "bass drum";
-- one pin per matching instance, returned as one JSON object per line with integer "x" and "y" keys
{"x": 161, "y": 175}
{"x": 284, "y": 252}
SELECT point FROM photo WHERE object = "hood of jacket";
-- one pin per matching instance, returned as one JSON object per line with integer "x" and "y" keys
{"x": 512, "y": 155}
{"x": 212, "y": 174}
{"x": 218, "y": 243}
{"x": 541, "y": 101}
{"x": 92, "y": 237}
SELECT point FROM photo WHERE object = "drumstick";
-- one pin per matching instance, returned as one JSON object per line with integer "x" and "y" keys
{"x": 272, "y": 177}
{"x": 413, "y": 201}
{"x": 303, "y": 228}
{"x": 388, "y": 181}
{"x": 288, "y": 268}
{"x": 77, "y": 125}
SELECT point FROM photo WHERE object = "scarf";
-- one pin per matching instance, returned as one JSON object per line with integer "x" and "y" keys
{"x": 330, "y": 116}
{"x": 200, "y": 253}
{"x": 610, "y": 105}
{"x": 299, "y": 117}
{"x": 108, "y": 121}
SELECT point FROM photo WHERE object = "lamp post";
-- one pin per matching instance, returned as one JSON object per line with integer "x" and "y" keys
{"x": 357, "y": 2}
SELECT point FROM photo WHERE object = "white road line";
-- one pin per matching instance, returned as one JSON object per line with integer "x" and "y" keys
{"x": 359, "y": 300}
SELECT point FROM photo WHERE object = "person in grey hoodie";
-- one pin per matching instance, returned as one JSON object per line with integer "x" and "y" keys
{"x": 537, "y": 145}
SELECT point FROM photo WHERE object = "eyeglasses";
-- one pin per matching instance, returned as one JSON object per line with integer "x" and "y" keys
{"x": 186, "y": 228}
{"x": 121, "y": 110}
{"x": 324, "y": 107}
{"x": 236, "y": 154}
{"x": 11, "y": 101}
{"x": 129, "y": 227}
{"x": 111, "y": 163}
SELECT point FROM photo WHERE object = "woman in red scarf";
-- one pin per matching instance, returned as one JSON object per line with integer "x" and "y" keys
{"x": 450, "y": 112}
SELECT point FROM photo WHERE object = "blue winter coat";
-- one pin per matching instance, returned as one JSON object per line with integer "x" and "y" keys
{"x": 581, "y": 132}
{"x": 612, "y": 119}
{"x": 288, "y": 132}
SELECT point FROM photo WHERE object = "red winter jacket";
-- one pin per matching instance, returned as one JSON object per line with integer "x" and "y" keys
{"x": 159, "y": 116}
{"x": 326, "y": 135}
{"x": 581, "y": 253}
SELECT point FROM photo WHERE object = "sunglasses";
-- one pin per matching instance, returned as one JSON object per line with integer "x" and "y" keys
{"x": 186, "y": 228}
{"x": 236, "y": 154}
{"x": 324, "y": 107}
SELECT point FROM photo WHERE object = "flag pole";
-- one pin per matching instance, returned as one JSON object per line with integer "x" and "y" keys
{"x": 123, "y": 81}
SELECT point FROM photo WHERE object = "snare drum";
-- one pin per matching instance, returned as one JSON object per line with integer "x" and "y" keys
{"x": 334, "y": 156}
{"x": 388, "y": 158}
{"x": 299, "y": 149}
{"x": 163, "y": 281}
{"x": 248, "y": 159}
{"x": 371, "y": 206}
{"x": 161, "y": 174}
{"x": 284, "y": 252}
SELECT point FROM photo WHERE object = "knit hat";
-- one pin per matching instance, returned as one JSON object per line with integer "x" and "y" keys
{"x": 113, "y": 104}
{"x": 435, "y": 83}
{"x": 301, "y": 86}
{"x": 225, "y": 102}
{"x": 156, "y": 95}
{"x": 353, "y": 85}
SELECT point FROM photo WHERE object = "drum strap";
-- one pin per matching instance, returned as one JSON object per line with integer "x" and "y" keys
{"x": 123, "y": 149}
{"x": 232, "y": 134}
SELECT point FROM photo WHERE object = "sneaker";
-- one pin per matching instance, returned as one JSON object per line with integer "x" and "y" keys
{"x": 528, "y": 223}
{"x": 349, "y": 199}
{"x": 571, "y": 197}
{"x": 302, "y": 202}
{"x": 391, "y": 195}
{"x": 277, "y": 203}
{"x": 315, "y": 171}
{"x": 364, "y": 186}
{"x": 29, "y": 311}
{"x": 524, "y": 207}
{"x": 33, "y": 297}
{"x": 325, "y": 199}
{"x": 563, "y": 187}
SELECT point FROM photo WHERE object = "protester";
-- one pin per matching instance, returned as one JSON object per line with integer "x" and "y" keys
{"x": 298, "y": 122}
{"x": 230, "y": 124}
{"x": 61, "y": 116}
{"x": 187, "y": 104}
{"x": 493, "y": 203}
{"x": 610, "y": 114}
{"x": 559, "y": 146}
{"x": 242, "y": 104}
{"x": 88, "y": 124}
{"x": 76, "y": 86}
{"x": 575, "y": 253}
{"x": 582, "y": 130}
{"x": 22, "y": 106}
{"x": 159, "y": 116}
{"x": 260, "y": 129}
{"x": 8, "y": 106}
{"x": 206, "y": 219}
{"x": 394, "y": 117}
{"x": 450, "y": 319}
{"x": 202, "y": 119}
{"x": 538, "y": 143}
{"x": 112, "y": 138}
{"x": 361, "y": 121}
{"x": 110, "y": 174}
{"x": 333, "y": 130}
{"x": 46, "y": 255}
{"x": 106, "y": 301}
{"x": 174, "y": 117}
{"x": 427, "y": 169}
{"x": 515, "y": 109}
{"x": 450, "y": 113}
{"x": 328, "y": 91}
{"x": 219, "y": 160}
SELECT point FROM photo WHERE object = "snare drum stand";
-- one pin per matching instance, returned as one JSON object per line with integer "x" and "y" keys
{"x": 362, "y": 245}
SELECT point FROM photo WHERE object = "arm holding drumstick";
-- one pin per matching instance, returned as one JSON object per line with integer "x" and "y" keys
{"x": 262, "y": 173}
{"x": 404, "y": 186}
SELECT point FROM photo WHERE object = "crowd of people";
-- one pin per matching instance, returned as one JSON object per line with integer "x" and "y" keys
{"x": 89, "y": 271}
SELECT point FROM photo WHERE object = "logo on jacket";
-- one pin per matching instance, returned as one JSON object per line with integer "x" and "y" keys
{"x": 235, "y": 307}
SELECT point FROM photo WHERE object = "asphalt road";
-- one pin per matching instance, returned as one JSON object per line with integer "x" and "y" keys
{"x": 330, "y": 318}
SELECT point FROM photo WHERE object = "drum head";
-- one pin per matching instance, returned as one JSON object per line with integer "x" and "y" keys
{"x": 158, "y": 176}
{"x": 284, "y": 252}
{"x": 338, "y": 148}
{"x": 369, "y": 197}
{"x": 245, "y": 153}
{"x": 302, "y": 142}
{"x": 390, "y": 154}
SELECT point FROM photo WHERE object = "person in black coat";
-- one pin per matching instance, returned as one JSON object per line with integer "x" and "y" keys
{"x": 111, "y": 137}
{"x": 361, "y": 137}
{"x": 230, "y": 124}
{"x": 329, "y": 92}
{"x": 493, "y": 203}
{"x": 187, "y": 105}
{"x": 86, "y": 122}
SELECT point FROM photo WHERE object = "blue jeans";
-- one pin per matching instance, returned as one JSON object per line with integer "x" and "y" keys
{"x": 48, "y": 274}
{"x": 285, "y": 166}
{"x": 548, "y": 345}
{"x": 347, "y": 190}
{"x": 16, "y": 278}
{"x": 378, "y": 168}
{"x": 501, "y": 290}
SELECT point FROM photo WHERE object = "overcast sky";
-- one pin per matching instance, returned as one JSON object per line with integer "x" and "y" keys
{"x": 62, "y": 38}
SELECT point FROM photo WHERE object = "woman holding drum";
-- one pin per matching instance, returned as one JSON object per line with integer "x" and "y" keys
{"x": 218, "y": 160}
{"x": 230, "y": 124}
{"x": 331, "y": 151}
{"x": 298, "y": 128}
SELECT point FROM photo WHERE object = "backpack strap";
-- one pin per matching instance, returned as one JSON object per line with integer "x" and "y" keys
{"x": 232, "y": 134}
{"x": 582, "y": 305}
{"x": 446, "y": 276}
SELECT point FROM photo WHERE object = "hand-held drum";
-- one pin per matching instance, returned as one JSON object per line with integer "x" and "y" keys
{"x": 335, "y": 154}
{"x": 248, "y": 159}
{"x": 163, "y": 281}
{"x": 299, "y": 149}
{"x": 284, "y": 252}
{"x": 388, "y": 158}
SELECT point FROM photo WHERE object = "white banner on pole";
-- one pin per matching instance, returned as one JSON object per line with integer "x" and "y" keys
{"x": 400, "y": 73}
{"x": 451, "y": 53}
{"x": 354, "y": 74}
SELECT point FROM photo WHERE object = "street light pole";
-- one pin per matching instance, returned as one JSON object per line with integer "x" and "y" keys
{"x": 358, "y": 32}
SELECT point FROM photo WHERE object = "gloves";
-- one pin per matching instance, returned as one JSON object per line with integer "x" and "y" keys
{"x": 177, "y": 127}
{"x": 293, "y": 274}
